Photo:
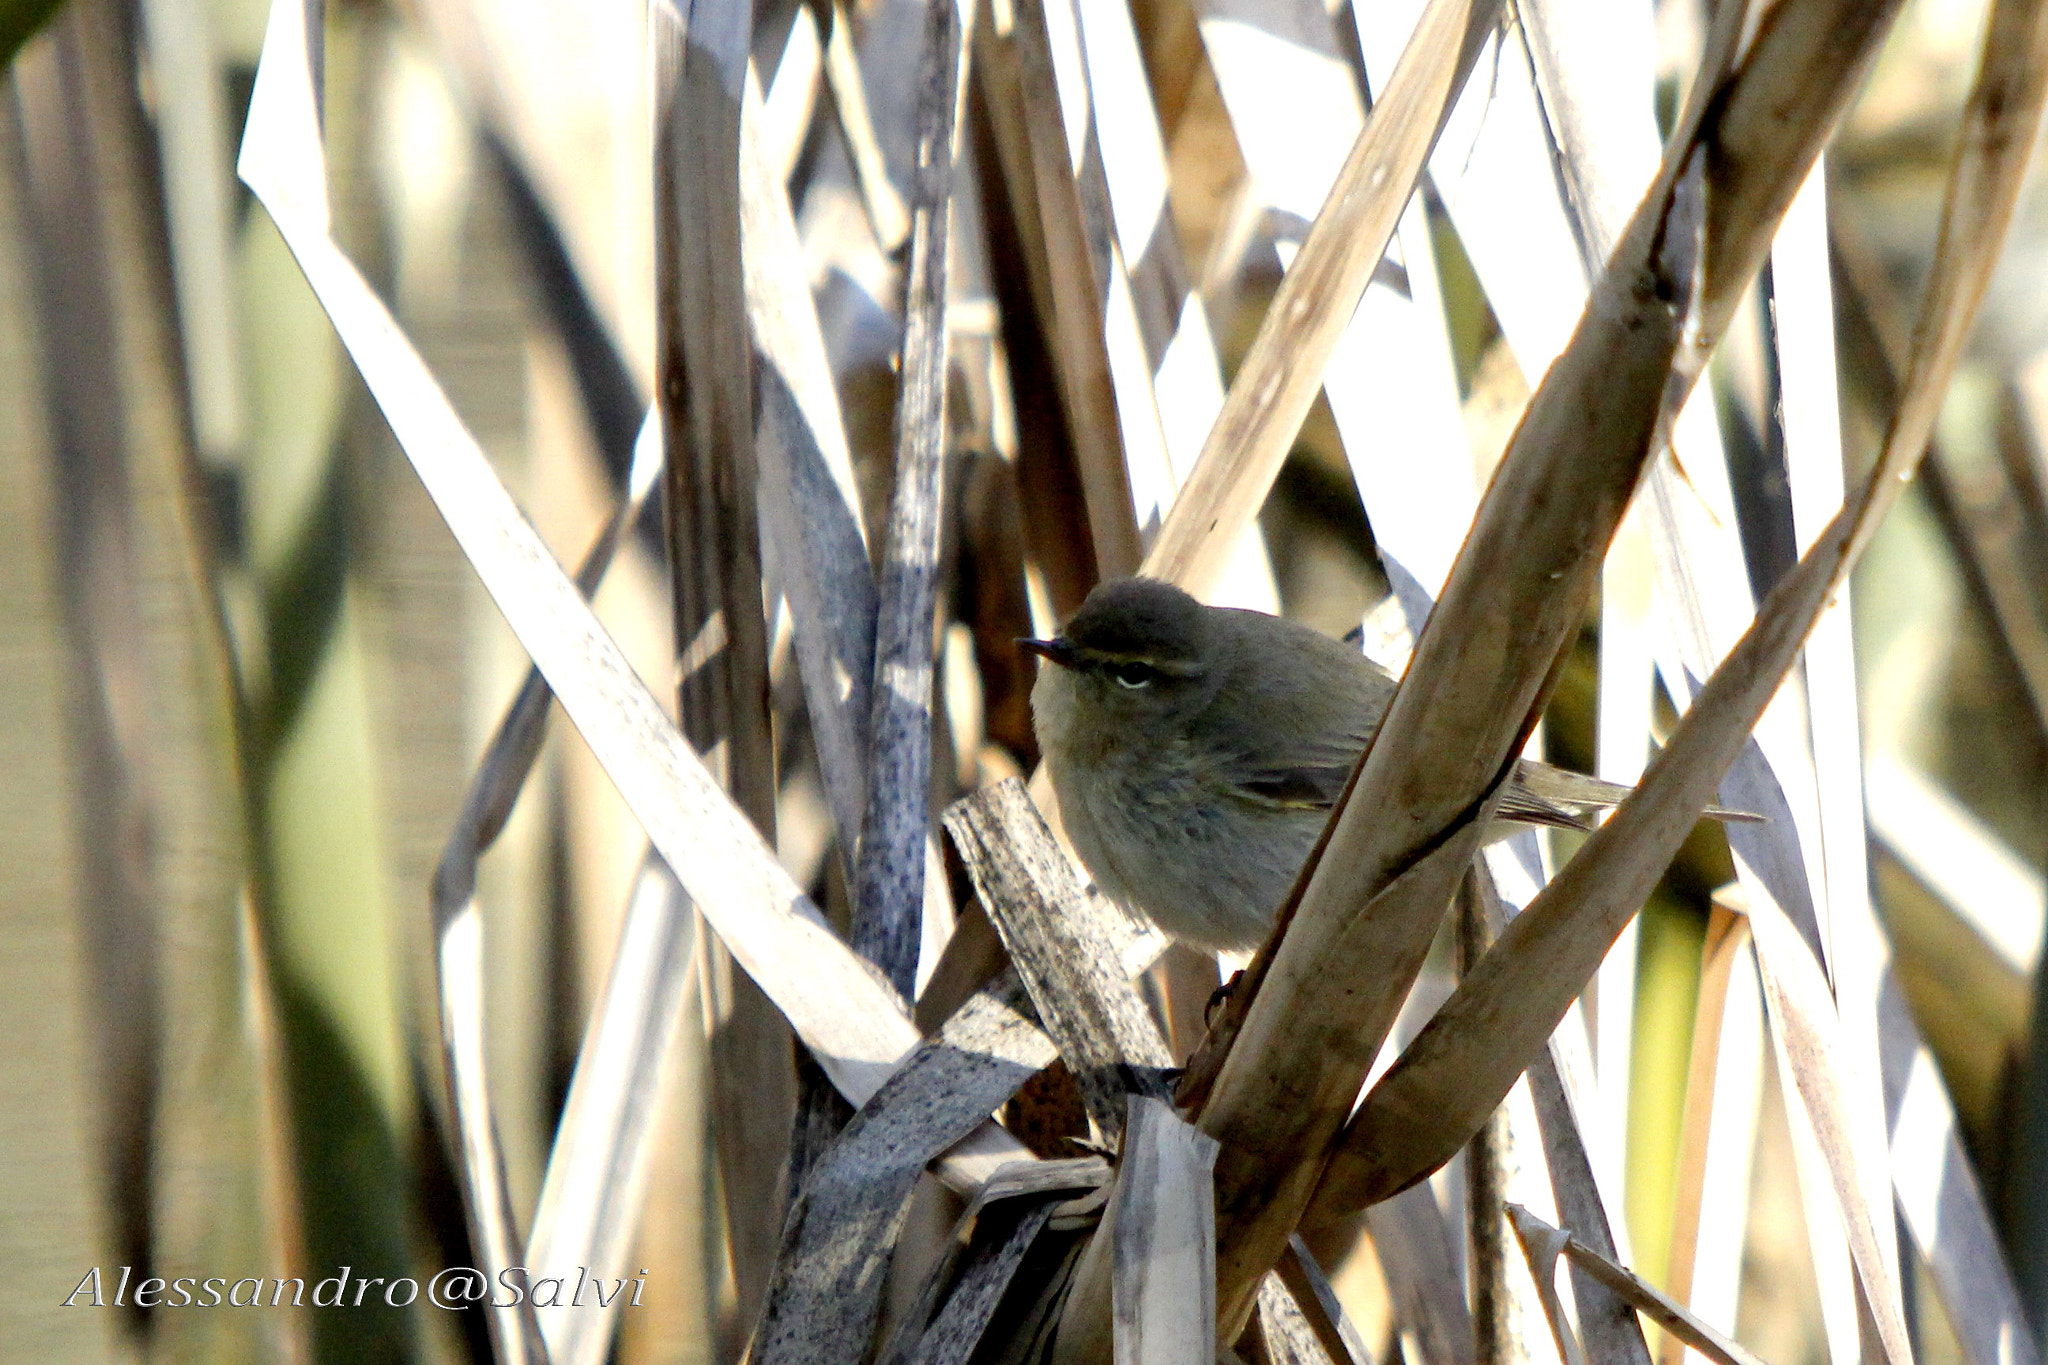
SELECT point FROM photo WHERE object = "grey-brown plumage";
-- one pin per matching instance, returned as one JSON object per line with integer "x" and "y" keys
{"x": 1197, "y": 751}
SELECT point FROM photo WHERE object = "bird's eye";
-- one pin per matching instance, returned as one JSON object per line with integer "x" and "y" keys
{"x": 1134, "y": 675}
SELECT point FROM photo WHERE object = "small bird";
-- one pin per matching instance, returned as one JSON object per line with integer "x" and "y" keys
{"x": 1196, "y": 752}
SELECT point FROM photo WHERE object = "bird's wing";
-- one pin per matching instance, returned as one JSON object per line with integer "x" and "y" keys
{"x": 1289, "y": 740}
{"x": 1293, "y": 788}
{"x": 1302, "y": 776}
{"x": 1313, "y": 778}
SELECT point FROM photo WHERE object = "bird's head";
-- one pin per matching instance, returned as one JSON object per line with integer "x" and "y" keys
{"x": 1137, "y": 651}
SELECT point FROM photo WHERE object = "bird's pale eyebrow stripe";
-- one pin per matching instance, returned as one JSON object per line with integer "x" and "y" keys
{"x": 1172, "y": 668}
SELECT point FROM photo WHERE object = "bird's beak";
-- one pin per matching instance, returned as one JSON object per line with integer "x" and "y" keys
{"x": 1056, "y": 650}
